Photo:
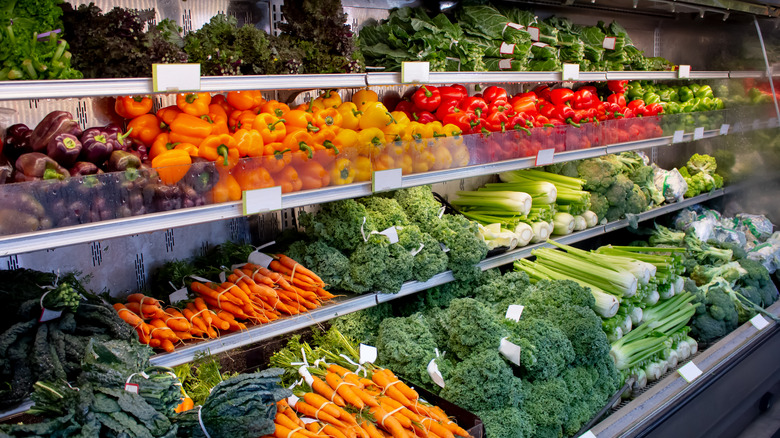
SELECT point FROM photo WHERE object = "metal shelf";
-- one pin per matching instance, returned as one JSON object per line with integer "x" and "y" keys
{"x": 355, "y": 303}
{"x": 59, "y": 237}
{"x": 56, "y": 89}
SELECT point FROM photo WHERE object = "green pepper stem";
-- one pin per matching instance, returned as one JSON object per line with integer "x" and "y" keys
{"x": 305, "y": 147}
{"x": 223, "y": 151}
{"x": 329, "y": 145}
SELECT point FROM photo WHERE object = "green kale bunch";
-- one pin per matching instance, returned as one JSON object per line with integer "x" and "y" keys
{"x": 406, "y": 345}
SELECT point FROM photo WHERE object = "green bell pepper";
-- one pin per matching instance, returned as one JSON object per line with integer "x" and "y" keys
{"x": 694, "y": 87}
{"x": 700, "y": 105}
{"x": 651, "y": 97}
{"x": 635, "y": 93}
{"x": 704, "y": 91}
{"x": 673, "y": 96}
{"x": 719, "y": 105}
{"x": 685, "y": 94}
{"x": 671, "y": 107}
{"x": 665, "y": 95}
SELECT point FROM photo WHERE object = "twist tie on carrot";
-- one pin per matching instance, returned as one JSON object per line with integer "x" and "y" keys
{"x": 389, "y": 385}
{"x": 142, "y": 374}
{"x": 319, "y": 361}
{"x": 219, "y": 297}
{"x": 359, "y": 367}
{"x": 200, "y": 421}
{"x": 291, "y": 432}
{"x": 120, "y": 311}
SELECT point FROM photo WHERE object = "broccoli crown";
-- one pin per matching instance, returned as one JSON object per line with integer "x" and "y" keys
{"x": 430, "y": 260}
{"x": 737, "y": 251}
{"x": 666, "y": 236}
{"x": 328, "y": 262}
{"x": 705, "y": 253}
{"x": 386, "y": 212}
{"x": 580, "y": 324}
{"x": 756, "y": 284}
{"x": 637, "y": 201}
{"x": 720, "y": 317}
{"x": 558, "y": 293}
{"x": 703, "y": 274}
{"x": 599, "y": 204}
{"x": 363, "y": 325}
{"x": 406, "y": 345}
{"x": 545, "y": 351}
{"x": 338, "y": 224}
{"x": 379, "y": 265}
{"x": 568, "y": 168}
{"x": 547, "y": 403}
{"x": 508, "y": 422}
{"x": 619, "y": 191}
{"x": 599, "y": 174}
{"x": 419, "y": 204}
{"x": 701, "y": 163}
{"x": 642, "y": 176}
{"x": 499, "y": 292}
{"x": 471, "y": 328}
{"x": 483, "y": 382}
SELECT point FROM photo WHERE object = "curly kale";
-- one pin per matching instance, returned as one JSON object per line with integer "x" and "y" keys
{"x": 507, "y": 422}
{"x": 547, "y": 404}
{"x": 339, "y": 224}
{"x": 482, "y": 382}
{"x": 328, "y": 262}
{"x": 588, "y": 401}
{"x": 430, "y": 259}
{"x": 471, "y": 328}
{"x": 581, "y": 325}
{"x": 406, "y": 345}
{"x": 545, "y": 349}
{"x": 466, "y": 247}
{"x": 378, "y": 265}
{"x": 386, "y": 212}
{"x": 558, "y": 293}
{"x": 363, "y": 325}
{"x": 499, "y": 292}
{"x": 419, "y": 204}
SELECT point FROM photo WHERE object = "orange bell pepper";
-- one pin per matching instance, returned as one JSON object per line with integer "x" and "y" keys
{"x": 330, "y": 99}
{"x": 218, "y": 119}
{"x": 324, "y": 134}
{"x": 245, "y": 99}
{"x": 227, "y": 188}
{"x": 364, "y": 97}
{"x": 241, "y": 119}
{"x": 129, "y": 107}
{"x": 187, "y": 128}
{"x": 194, "y": 104}
{"x": 299, "y": 141}
{"x": 275, "y": 108}
{"x": 144, "y": 128}
{"x": 363, "y": 169}
{"x": 330, "y": 117}
{"x": 288, "y": 179}
{"x": 342, "y": 172}
{"x": 188, "y": 147}
{"x": 215, "y": 146}
{"x": 350, "y": 115}
{"x": 221, "y": 100}
{"x": 161, "y": 144}
{"x": 313, "y": 175}
{"x": 168, "y": 114}
{"x": 172, "y": 165}
{"x": 250, "y": 174}
{"x": 274, "y": 160}
{"x": 271, "y": 127}
{"x": 300, "y": 119}
{"x": 249, "y": 143}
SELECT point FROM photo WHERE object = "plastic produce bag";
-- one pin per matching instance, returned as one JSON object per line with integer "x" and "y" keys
{"x": 757, "y": 224}
{"x": 670, "y": 183}
{"x": 768, "y": 254}
{"x": 724, "y": 233}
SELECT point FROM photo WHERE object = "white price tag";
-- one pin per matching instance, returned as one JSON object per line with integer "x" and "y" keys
{"x": 262, "y": 200}
{"x": 48, "y": 314}
{"x": 444, "y": 247}
{"x": 131, "y": 387}
{"x": 367, "y": 354}
{"x": 259, "y": 258}
{"x": 416, "y": 71}
{"x": 514, "y": 311}
{"x": 609, "y": 43}
{"x": 515, "y": 26}
{"x": 510, "y": 351}
{"x": 385, "y": 180}
{"x": 683, "y": 71}
{"x": 307, "y": 420}
{"x": 756, "y": 124}
{"x": 433, "y": 371}
{"x": 176, "y": 77}
{"x": 222, "y": 277}
{"x": 689, "y": 372}
{"x": 588, "y": 434}
{"x": 759, "y": 322}
{"x": 391, "y": 233}
{"x": 505, "y": 64}
{"x": 303, "y": 371}
{"x": 537, "y": 44}
{"x": 678, "y": 136}
{"x": 534, "y": 31}
{"x": 571, "y": 72}
{"x": 724, "y": 129}
{"x": 545, "y": 157}
{"x": 179, "y": 295}
{"x": 698, "y": 133}
{"x": 292, "y": 400}
{"x": 200, "y": 279}
{"x": 506, "y": 49}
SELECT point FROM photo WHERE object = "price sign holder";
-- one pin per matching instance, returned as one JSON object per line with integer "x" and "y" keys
{"x": 415, "y": 72}
{"x": 545, "y": 157}
{"x": 571, "y": 72}
{"x": 683, "y": 71}
{"x": 689, "y": 372}
{"x": 385, "y": 180}
{"x": 261, "y": 200}
{"x": 698, "y": 133}
{"x": 175, "y": 77}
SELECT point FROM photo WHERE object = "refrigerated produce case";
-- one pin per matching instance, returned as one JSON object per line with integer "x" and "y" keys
{"x": 724, "y": 43}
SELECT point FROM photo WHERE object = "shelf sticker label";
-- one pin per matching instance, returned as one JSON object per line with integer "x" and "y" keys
{"x": 698, "y": 133}
{"x": 534, "y": 31}
{"x": 259, "y": 258}
{"x": 391, "y": 233}
{"x": 367, "y": 354}
{"x": 385, "y": 180}
{"x": 683, "y": 71}
{"x": 609, "y": 43}
{"x": 588, "y": 434}
{"x": 515, "y": 26}
{"x": 505, "y": 64}
{"x": 571, "y": 72}
{"x": 689, "y": 372}
{"x": 131, "y": 387}
{"x": 262, "y": 200}
{"x": 545, "y": 157}
{"x": 678, "y": 136}
{"x": 756, "y": 124}
{"x": 506, "y": 49}
{"x": 759, "y": 322}
{"x": 175, "y": 77}
{"x": 724, "y": 129}
{"x": 514, "y": 311}
{"x": 510, "y": 351}
{"x": 48, "y": 314}
{"x": 415, "y": 71}
{"x": 433, "y": 371}
{"x": 179, "y": 295}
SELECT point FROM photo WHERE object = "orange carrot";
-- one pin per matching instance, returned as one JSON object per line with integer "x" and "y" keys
{"x": 388, "y": 423}
{"x": 332, "y": 431}
{"x": 290, "y": 263}
{"x": 394, "y": 404}
{"x": 322, "y": 403}
{"x": 177, "y": 323}
{"x": 342, "y": 388}
{"x": 322, "y": 293}
{"x": 285, "y": 421}
{"x": 155, "y": 343}
{"x": 130, "y": 317}
{"x": 195, "y": 319}
{"x": 284, "y": 407}
{"x": 141, "y": 298}
{"x": 437, "y": 428}
{"x": 149, "y": 310}
{"x": 200, "y": 306}
{"x": 311, "y": 411}
{"x": 217, "y": 322}
{"x": 284, "y": 270}
{"x": 405, "y": 421}
{"x": 225, "y": 305}
{"x": 410, "y": 393}
{"x": 389, "y": 388}
{"x": 326, "y": 391}
{"x": 162, "y": 331}
{"x": 167, "y": 345}
{"x": 284, "y": 432}
{"x": 183, "y": 335}
{"x": 185, "y": 405}
{"x": 207, "y": 291}
{"x": 372, "y": 431}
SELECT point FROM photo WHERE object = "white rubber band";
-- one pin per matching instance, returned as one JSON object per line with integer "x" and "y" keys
{"x": 389, "y": 414}
{"x": 291, "y": 432}
{"x": 202, "y": 426}
{"x": 317, "y": 412}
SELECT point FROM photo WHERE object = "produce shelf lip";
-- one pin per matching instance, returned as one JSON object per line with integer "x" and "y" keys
{"x": 756, "y": 74}
{"x": 359, "y": 302}
{"x": 90, "y": 232}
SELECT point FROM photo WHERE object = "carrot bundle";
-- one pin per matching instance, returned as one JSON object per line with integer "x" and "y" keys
{"x": 250, "y": 294}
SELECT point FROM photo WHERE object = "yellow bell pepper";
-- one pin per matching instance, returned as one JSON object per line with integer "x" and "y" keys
{"x": 364, "y": 97}
{"x": 460, "y": 155}
{"x": 396, "y": 132}
{"x": 370, "y": 141}
{"x": 342, "y": 172}
{"x": 405, "y": 162}
{"x": 363, "y": 169}
{"x": 400, "y": 117}
{"x": 172, "y": 165}
{"x": 350, "y": 115}
{"x": 375, "y": 115}
{"x": 329, "y": 99}
{"x": 443, "y": 158}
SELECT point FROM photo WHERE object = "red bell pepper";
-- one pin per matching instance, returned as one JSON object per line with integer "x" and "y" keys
{"x": 561, "y": 96}
{"x": 637, "y": 107}
{"x": 565, "y": 114}
{"x": 423, "y": 117}
{"x": 496, "y": 121}
{"x": 522, "y": 96}
{"x": 546, "y": 109}
{"x": 494, "y": 93}
{"x": 452, "y": 94}
{"x": 474, "y": 104}
{"x": 527, "y": 106}
{"x": 617, "y": 98}
{"x": 617, "y": 86}
{"x": 584, "y": 99}
{"x": 542, "y": 92}
{"x": 501, "y": 106}
{"x": 406, "y": 107}
{"x": 653, "y": 109}
{"x": 464, "y": 120}
{"x": 447, "y": 107}
{"x": 427, "y": 98}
